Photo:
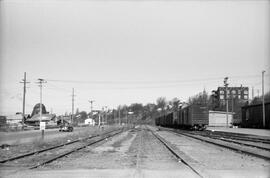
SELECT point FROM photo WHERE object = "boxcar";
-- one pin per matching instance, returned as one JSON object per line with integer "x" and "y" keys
{"x": 194, "y": 116}
{"x": 252, "y": 116}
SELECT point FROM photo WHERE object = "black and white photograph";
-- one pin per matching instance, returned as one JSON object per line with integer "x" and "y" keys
{"x": 135, "y": 88}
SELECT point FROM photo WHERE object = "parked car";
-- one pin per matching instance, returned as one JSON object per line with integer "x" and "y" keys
{"x": 66, "y": 128}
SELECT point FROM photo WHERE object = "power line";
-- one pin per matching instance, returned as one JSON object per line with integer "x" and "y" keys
{"x": 149, "y": 82}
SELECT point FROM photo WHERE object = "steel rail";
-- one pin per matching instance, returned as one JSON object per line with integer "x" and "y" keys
{"x": 73, "y": 150}
{"x": 219, "y": 137}
{"x": 224, "y": 146}
{"x": 239, "y": 137}
{"x": 50, "y": 148}
{"x": 237, "y": 142}
{"x": 224, "y": 138}
{"x": 178, "y": 157}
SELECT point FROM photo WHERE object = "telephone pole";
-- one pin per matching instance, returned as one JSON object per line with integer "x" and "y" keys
{"x": 252, "y": 93}
{"x": 106, "y": 119}
{"x": 24, "y": 92}
{"x": 119, "y": 115}
{"x": 40, "y": 82}
{"x": 263, "y": 107}
{"x": 91, "y": 102}
{"x": 72, "y": 106}
{"x": 227, "y": 99}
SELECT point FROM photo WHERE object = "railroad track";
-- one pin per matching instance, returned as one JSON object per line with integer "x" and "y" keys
{"x": 246, "y": 140}
{"x": 240, "y": 142}
{"x": 236, "y": 136}
{"x": 247, "y": 148}
{"x": 43, "y": 157}
{"x": 180, "y": 157}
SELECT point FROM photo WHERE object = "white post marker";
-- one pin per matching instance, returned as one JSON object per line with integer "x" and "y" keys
{"x": 42, "y": 127}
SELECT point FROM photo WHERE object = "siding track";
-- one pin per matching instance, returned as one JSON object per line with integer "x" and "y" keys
{"x": 244, "y": 146}
{"x": 180, "y": 158}
{"x": 60, "y": 151}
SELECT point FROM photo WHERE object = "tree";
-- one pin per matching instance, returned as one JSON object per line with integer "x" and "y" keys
{"x": 175, "y": 103}
{"x": 136, "y": 108}
{"x": 258, "y": 100}
{"x": 201, "y": 98}
{"x": 161, "y": 102}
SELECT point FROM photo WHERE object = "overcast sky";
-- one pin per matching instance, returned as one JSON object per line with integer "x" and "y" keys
{"x": 122, "y": 52}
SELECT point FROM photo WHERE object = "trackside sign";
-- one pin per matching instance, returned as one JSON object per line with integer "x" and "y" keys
{"x": 42, "y": 125}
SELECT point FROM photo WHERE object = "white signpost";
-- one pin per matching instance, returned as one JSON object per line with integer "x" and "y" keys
{"x": 42, "y": 125}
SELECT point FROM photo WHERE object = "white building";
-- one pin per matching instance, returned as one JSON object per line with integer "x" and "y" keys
{"x": 90, "y": 121}
{"x": 218, "y": 118}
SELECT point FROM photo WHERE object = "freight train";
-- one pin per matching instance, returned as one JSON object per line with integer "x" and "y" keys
{"x": 193, "y": 116}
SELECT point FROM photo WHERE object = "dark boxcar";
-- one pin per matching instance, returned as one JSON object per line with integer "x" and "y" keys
{"x": 194, "y": 116}
{"x": 252, "y": 116}
{"x": 169, "y": 119}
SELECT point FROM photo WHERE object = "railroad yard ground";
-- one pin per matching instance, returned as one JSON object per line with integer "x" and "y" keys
{"x": 138, "y": 152}
{"x": 21, "y": 137}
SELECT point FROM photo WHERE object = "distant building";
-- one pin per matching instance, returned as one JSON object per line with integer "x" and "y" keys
{"x": 235, "y": 93}
{"x": 34, "y": 121}
{"x": 37, "y": 108}
{"x": 237, "y": 97}
{"x": 3, "y": 120}
{"x": 14, "y": 119}
{"x": 89, "y": 121}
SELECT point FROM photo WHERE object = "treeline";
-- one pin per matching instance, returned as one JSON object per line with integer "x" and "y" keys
{"x": 145, "y": 114}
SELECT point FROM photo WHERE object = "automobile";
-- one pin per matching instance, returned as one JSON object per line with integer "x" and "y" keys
{"x": 66, "y": 128}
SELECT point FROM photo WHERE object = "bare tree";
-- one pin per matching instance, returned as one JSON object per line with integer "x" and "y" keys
{"x": 161, "y": 102}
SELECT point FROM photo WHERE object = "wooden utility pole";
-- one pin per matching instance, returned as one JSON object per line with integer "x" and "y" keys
{"x": 119, "y": 112}
{"x": 227, "y": 99}
{"x": 263, "y": 107}
{"x": 40, "y": 82}
{"x": 72, "y": 106}
{"x": 24, "y": 92}
{"x": 91, "y": 102}
{"x": 252, "y": 93}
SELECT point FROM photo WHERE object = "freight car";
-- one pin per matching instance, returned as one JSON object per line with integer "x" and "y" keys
{"x": 252, "y": 116}
{"x": 193, "y": 116}
{"x": 165, "y": 120}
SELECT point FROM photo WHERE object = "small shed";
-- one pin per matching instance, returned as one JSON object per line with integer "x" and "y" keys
{"x": 218, "y": 118}
{"x": 89, "y": 121}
